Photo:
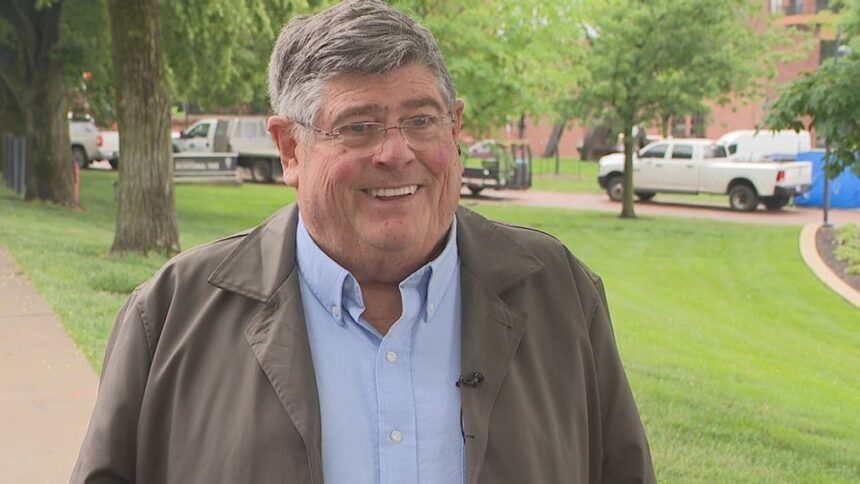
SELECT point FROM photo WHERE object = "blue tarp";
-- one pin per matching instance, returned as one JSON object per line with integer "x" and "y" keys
{"x": 844, "y": 189}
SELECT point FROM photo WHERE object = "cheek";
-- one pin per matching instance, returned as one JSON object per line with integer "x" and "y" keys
{"x": 446, "y": 166}
{"x": 324, "y": 177}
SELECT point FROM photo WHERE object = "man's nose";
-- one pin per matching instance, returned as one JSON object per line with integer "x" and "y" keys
{"x": 393, "y": 148}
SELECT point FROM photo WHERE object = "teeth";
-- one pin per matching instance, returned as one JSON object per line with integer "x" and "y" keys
{"x": 393, "y": 192}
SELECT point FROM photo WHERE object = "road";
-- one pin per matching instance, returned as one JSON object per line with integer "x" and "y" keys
{"x": 692, "y": 209}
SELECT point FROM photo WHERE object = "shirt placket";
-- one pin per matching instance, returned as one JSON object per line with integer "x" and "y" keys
{"x": 398, "y": 455}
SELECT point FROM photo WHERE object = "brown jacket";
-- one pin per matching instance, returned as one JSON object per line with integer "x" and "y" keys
{"x": 208, "y": 375}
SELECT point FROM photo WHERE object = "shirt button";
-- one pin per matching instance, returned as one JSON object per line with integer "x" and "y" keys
{"x": 431, "y": 308}
{"x": 391, "y": 357}
{"x": 335, "y": 311}
{"x": 396, "y": 436}
{"x": 348, "y": 285}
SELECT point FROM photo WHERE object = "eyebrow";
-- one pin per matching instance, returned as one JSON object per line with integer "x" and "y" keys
{"x": 422, "y": 102}
{"x": 366, "y": 109}
{"x": 361, "y": 110}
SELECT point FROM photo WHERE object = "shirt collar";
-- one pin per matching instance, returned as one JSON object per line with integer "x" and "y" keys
{"x": 331, "y": 283}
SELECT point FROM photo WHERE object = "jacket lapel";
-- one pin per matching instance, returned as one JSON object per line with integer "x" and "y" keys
{"x": 279, "y": 339}
{"x": 491, "y": 262}
{"x": 263, "y": 267}
{"x": 491, "y": 334}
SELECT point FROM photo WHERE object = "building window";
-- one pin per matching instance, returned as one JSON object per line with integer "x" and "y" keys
{"x": 795, "y": 7}
{"x": 776, "y": 6}
{"x": 826, "y": 50}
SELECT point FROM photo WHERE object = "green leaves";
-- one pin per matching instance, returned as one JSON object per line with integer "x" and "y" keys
{"x": 828, "y": 101}
{"x": 217, "y": 51}
{"x": 506, "y": 57}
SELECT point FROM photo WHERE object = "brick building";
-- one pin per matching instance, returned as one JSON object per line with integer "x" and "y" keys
{"x": 811, "y": 16}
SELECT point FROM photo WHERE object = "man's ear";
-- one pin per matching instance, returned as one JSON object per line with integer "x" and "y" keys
{"x": 459, "y": 106}
{"x": 281, "y": 130}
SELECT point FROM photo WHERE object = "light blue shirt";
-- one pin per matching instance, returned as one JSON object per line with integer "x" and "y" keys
{"x": 389, "y": 404}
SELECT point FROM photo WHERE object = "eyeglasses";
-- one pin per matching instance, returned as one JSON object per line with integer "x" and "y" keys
{"x": 420, "y": 133}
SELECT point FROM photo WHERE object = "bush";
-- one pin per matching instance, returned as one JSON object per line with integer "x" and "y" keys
{"x": 848, "y": 247}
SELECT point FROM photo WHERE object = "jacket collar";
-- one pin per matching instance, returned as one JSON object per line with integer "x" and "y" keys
{"x": 489, "y": 253}
{"x": 264, "y": 259}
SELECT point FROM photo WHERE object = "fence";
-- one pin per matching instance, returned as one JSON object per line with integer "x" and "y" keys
{"x": 15, "y": 163}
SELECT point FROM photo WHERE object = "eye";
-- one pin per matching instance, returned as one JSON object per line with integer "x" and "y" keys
{"x": 357, "y": 128}
{"x": 419, "y": 122}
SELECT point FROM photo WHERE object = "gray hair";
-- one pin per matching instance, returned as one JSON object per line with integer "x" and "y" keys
{"x": 357, "y": 37}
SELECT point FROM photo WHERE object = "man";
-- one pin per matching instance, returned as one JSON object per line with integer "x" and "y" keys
{"x": 374, "y": 332}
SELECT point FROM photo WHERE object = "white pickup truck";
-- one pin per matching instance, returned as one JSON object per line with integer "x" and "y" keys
{"x": 702, "y": 166}
{"x": 86, "y": 140}
{"x": 245, "y": 136}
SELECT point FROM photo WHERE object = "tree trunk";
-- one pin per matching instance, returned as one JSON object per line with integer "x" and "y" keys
{"x": 146, "y": 218}
{"x": 664, "y": 125}
{"x": 627, "y": 205}
{"x": 49, "y": 158}
{"x": 554, "y": 139}
{"x": 521, "y": 129}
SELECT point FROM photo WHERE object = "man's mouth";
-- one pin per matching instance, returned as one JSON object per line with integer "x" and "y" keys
{"x": 391, "y": 193}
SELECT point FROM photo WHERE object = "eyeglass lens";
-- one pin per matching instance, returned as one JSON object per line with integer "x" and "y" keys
{"x": 420, "y": 134}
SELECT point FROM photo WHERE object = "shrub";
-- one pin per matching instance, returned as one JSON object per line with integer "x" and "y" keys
{"x": 848, "y": 247}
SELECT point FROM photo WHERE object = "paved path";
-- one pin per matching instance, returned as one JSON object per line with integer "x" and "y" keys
{"x": 691, "y": 209}
{"x": 47, "y": 388}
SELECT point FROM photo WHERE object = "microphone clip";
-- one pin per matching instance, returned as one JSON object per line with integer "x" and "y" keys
{"x": 471, "y": 381}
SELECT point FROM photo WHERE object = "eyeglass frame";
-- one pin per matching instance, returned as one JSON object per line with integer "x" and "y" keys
{"x": 335, "y": 134}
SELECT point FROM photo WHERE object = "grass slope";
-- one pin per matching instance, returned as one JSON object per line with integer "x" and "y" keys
{"x": 743, "y": 364}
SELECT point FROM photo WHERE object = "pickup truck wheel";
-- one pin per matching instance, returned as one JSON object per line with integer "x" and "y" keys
{"x": 114, "y": 164}
{"x": 475, "y": 190}
{"x": 645, "y": 196}
{"x": 261, "y": 171}
{"x": 743, "y": 198}
{"x": 79, "y": 156}
{"x": 615, "y": 188}
{"x": 776, "y": 202}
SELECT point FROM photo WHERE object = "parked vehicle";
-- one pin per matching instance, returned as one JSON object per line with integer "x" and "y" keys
{"x": 245, "y": 136}
{"x": 499, "y": 165}
{"x": 752, "y": 145}
{"x": 482, "y": 149}
{"x": 703, "y": 166}
{"x": 85, "y": 139}
{"x": 109, "y": 147}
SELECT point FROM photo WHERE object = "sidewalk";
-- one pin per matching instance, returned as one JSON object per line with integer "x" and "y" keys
{"x": 47, "y": 388}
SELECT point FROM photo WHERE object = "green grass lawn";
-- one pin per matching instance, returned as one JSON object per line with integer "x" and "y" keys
{"x": 744, "y": 365}
{"x": 574, "y": 176}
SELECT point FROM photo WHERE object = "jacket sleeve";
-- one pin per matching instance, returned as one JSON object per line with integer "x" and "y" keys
{"x": 626, "y": 456}
{"x": 108, "y": 452}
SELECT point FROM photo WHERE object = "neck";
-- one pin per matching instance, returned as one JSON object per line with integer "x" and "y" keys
{"x": 383, "y": 305}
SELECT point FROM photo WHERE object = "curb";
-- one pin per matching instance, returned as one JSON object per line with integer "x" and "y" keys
{"x": 809, "y": 252}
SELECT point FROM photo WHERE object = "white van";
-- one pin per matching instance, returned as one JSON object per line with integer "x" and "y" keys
{"x": 752, "y": 145}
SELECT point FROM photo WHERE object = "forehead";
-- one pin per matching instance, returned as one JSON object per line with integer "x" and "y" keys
{"x": 407, "y": 88}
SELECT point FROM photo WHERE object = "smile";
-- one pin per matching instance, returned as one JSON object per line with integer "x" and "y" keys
{"x": 392, "y": 192}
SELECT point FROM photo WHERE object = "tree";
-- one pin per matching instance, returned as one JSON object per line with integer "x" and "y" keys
{"x": 649, "y": 58}
{"x": 32, "y": 80}
{"x": 86, "y": 47}
{"x": 506, "y": 57}
{"x": 828, "y": 101}
{"x": 217, "y": 51}
{"x": 146, "y": 218}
